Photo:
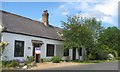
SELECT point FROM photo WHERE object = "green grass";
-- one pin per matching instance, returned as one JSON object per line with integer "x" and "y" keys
{"x": 99, "y": 61}
{"x": 92, "y": 61}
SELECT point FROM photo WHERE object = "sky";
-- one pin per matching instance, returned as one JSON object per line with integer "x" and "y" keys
{"x": 104, "y": 10}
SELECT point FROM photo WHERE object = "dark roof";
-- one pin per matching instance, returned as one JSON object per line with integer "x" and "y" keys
{"x": 21, "y": 25}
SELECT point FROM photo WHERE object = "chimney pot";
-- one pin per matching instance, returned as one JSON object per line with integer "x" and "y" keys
{"x": 45, "y": 17}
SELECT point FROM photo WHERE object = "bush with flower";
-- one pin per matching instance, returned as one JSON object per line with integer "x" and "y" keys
{"x": 3, "y": 45}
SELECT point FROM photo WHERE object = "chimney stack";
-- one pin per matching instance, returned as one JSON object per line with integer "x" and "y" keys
{"x": 45, "y": 17}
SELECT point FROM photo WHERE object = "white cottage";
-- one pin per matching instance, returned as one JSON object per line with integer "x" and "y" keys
{"x": 24, "y": 35}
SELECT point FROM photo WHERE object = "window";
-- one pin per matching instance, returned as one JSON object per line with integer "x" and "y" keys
{"x": 66, "y": 52}
{"x": 50, "y": 50}
{"x": 19, "y": 48}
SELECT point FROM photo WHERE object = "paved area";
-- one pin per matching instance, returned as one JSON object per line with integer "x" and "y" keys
{"x": 50, "y": 65}
{"x": 97, "y": 66}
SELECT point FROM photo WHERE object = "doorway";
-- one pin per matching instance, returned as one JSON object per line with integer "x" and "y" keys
{"x": 34, "y": 46}
{"x": 37, "y": 56}
{"x": 74, "y": 54}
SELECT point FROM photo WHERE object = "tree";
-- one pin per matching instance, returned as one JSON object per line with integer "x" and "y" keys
{"x": 80, "y": 32}
{"x": 110, "y": 37}
{"x": 96, "y": 29}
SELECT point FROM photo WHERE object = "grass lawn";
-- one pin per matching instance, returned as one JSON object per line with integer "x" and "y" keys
{"x": 94, "y": 61}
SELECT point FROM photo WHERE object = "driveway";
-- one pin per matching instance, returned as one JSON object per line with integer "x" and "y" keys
{"x": 96, "y": 66}
{"x": 50, "y": 65}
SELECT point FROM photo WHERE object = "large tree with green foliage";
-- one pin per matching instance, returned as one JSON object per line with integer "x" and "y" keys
{"x": 80, "y": 32}
{"x": 96, "y": 28}
{"x": 110, "y": 38}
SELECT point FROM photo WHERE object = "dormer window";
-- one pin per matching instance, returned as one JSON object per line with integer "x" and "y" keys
{"x": 60, "y": 34}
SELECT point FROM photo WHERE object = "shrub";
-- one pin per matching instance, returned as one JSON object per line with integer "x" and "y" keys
{"x": 56, "y": 59}
{"x": 13, "y": 64}
{"x": 77, "y": 60}
{"x": 111, "y": 56}
{"x": 102, "y": 52}
{"x": 102, "y": 56}
{"x": 92, "y": 56}
{"x": 30, "y": 58}
{"x": 46, "y": 59}
{"x": 5, "y": 63}
{"x": 115, "y": 54}
{"x": 41, "y": 60}
{"x": 26, "y": 62}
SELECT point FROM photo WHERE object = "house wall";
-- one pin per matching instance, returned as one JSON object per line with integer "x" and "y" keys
{"x": 77, "y": 55}
{"x": 9, "y": 51}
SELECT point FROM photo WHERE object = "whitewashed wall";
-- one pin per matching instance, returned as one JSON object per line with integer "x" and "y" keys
{"x": 77, "y": 56}
{"x": 9, "y": 51}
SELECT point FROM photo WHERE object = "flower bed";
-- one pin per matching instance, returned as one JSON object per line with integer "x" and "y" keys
{"x": 19, "y": 63}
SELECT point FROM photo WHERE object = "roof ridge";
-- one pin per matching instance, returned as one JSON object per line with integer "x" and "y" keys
{"x": 19, "y": 16}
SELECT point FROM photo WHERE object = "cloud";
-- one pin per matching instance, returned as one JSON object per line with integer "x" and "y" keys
{"x": 108, "y": 7}
{"x": 63, "y": 10}
{"x": 103, "y": 10}
{"x": 61, "y": 6}
{"x": 65, "y": 13}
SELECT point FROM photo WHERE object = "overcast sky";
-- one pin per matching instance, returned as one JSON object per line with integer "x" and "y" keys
{"x": 105, "y": 10}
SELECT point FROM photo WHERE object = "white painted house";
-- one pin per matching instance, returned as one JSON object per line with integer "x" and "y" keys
{"x": 24, "y": 35}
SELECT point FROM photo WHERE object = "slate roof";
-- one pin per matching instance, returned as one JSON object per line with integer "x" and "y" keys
{"x": 21, "y": 25}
